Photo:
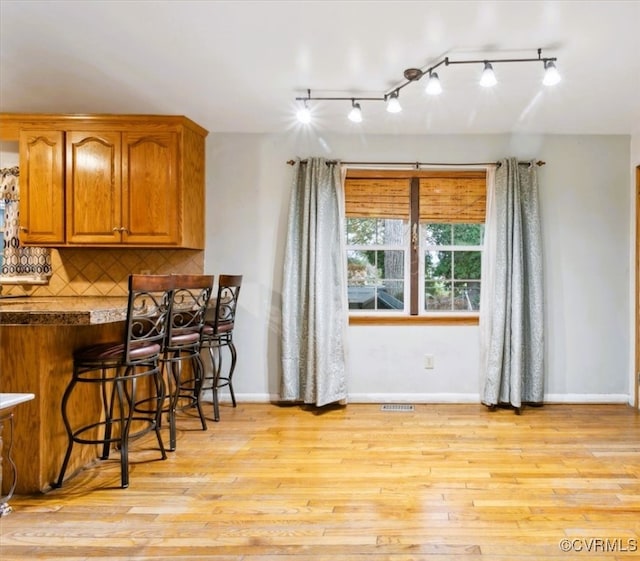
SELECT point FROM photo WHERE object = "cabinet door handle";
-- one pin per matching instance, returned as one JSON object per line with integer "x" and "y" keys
{"x": 116, "y": 229}
{"x": 24, "y": 229}
{"x": 123, "y": 229}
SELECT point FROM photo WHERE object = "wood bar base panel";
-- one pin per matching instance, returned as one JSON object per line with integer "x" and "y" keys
{"x": 38, "y": 359}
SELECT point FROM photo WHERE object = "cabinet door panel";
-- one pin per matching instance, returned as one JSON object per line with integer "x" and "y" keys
{"x": 151, "y": 202}
{"x": 41, "y": 187}
{"x": 94, "y": 187}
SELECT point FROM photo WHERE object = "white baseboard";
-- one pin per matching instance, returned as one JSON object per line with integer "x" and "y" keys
{"x": 414, "y": 398}
{"x": 587, "y": 398}
{"x": 224, "y": 397}
{"x": 475, "y": 398}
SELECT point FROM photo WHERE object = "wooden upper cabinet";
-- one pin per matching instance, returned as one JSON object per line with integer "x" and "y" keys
{"x": 113, "y": 181}
{"x": 94, "y": 188}
{"x": 42, "y": 214}
{"x": 151, "y": 202}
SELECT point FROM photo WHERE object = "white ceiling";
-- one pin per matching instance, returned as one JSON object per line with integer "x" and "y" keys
{"x": 237, "y": 66}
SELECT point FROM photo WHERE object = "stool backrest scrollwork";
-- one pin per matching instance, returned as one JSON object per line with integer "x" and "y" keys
{"x": 226, "y": 303}
{"x": 189, "y": 305}
{"x": 148, "y": 310}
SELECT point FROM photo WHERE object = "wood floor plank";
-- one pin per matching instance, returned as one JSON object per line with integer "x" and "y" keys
{"x": 274, "y": 483}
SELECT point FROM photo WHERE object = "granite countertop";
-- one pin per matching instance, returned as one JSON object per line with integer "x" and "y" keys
{"x": 62, "y": 310}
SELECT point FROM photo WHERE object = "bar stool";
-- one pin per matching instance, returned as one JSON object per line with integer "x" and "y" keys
{"x": 188, "y": 312}
{"x": 218, "y": 334}
{"x": 116, "y": 368}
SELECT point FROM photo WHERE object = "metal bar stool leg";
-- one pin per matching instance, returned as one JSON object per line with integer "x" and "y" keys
{"x": 125, "y": 425}
{"x": 234, "y": 358}
{"x": 173, "y": 399}
{"x": 215, "y": 366}
{"x": 67, "y": 426}
{"x": 198, "y": 370}
{"x": 108, "y": 403}
{"x": 160, "y": 393}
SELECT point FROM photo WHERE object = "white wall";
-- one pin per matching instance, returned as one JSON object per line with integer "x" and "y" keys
{"x": 587, "y": 194}
{"x": 585, "y": 199}
{"x": 9, "y": 154}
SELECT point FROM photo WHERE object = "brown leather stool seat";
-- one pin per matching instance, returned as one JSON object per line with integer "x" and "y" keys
{"x": 108, "y": 352}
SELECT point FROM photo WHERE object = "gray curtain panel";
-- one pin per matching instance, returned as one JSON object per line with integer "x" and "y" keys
{"x": 314, "y": 304}
{"x": 512, "y": 314}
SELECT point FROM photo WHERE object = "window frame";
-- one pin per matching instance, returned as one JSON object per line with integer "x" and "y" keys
{"x": 414, "y": 312}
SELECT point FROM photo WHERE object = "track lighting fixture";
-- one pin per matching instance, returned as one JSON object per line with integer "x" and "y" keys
{"x": 434, "y": 87}
{"x": 488, "y": 78}
{"x": 355, "y": 114}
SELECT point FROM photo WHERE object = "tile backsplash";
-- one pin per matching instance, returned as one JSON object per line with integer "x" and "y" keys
{"x": 105, "y": 272}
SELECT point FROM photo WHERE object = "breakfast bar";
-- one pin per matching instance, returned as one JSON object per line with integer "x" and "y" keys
{"x": 38, "y": 336}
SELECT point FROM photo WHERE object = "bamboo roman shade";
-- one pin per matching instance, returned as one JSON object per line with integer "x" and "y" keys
{"x": 377, "y": 197}
{"x": 453, "y": 200}
{"x": 444, "y": 196}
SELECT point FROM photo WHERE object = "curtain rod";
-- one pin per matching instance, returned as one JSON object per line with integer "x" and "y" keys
{"x": 414, "y": 164}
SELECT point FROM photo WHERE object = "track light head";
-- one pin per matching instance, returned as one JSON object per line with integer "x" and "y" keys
{"x": 304, "y": 114}
{"x": 488, "y": 78}
{"x": 551, "y": 74}
{"x": 393, "y": 103}
{"x": 433, "y": 85}
{"x": 355, "y": 115}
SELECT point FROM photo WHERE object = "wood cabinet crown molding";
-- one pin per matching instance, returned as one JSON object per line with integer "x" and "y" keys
{"x": 11, "y": 123}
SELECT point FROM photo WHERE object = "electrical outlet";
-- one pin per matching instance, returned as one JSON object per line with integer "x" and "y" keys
{"x": 428, "y": 361}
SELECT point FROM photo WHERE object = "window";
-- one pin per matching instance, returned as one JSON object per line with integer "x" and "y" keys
{"x": 414, "y": 241}
{"x": 18, "y": 265}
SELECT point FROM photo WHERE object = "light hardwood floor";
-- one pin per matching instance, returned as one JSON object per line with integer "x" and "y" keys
{"x": 272, "y": 483}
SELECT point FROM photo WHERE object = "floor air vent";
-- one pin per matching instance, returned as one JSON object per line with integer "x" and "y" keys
{"x": 397, "y": 407}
